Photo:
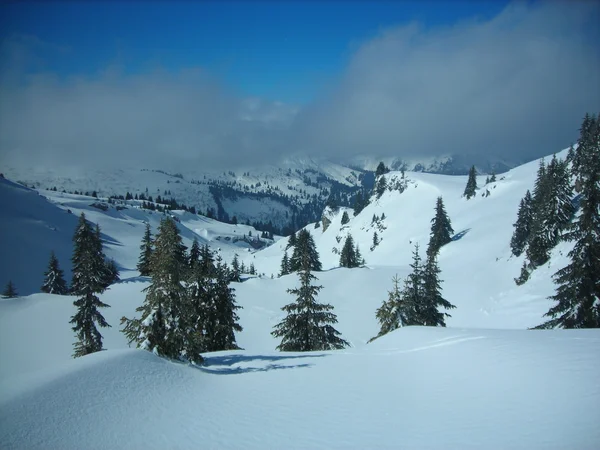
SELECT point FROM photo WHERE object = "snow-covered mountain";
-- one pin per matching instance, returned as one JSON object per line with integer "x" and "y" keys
{"x": 286, "y": 195}
{"x": 484, "y": 381}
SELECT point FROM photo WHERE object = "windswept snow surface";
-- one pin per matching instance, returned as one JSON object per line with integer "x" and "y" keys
{"x": 483, "y": 382}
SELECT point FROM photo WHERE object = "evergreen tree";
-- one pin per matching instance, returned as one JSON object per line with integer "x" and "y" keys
{"x": 413, "y": 294}
{"x": 252, "y": 269}
{"x": 360, "y": 261}
{"x": 558, "y": 206}
{"x": 194, "y": 254}
{"x": 471, "y": 184}
{"x": 394, "y": 312}
{"x": 432, "y": 296}
{"x": 380, "y": 186}
{"x": 578, "y": 291}
{"x": 308, "y": 324}
{"x": 539, "y": 244}
{"x": 375, "y": 241}
{"x": 381, "y": 169}
{"x": 235, "y": 269}
{"x": 359, "y": 203}
{"x": 305, "y": 248}
{"x": 10, "y": 291}
{"x": 493, "y": 178}
{"x": 291, "y": 241}
{"x": 225, "y": 307}
{"x": 111, "y": 273}
{"x": 54, "y": 281}
{"x": 441, "y": 229}
{"x": 285, "y": 265}
{"x": 348, "y": 254}
{"x": 158, "y": 329}
{"x": 345, "y": 218}
{"x": 522, "y": 226}
{"x": 89, "y": 278}
{"x": 146, "y": 253}
{"x": 582, "y": 158}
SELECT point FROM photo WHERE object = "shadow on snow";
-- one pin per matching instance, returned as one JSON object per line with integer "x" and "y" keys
{"x": 224, "y": 365}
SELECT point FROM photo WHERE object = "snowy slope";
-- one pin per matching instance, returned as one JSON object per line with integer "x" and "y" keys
{"x": 483, "y": 382}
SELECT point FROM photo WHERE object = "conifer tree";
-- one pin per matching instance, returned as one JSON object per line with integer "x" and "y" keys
{"x": 308, "y": 325}
{"x": 158, "y": 329}
{"x": 10, "y": 291}
{"x": 285, "y": 265}
{"x": 54, "y": 280}
{"x": 430, "y": 314}
{"x": 380, "y": 186}
{"x": 375, "y": 241}
{"x": 578, "y": 293}
{"x": 225, "y": 307}
{"x": 348, "y": 253}
{"x": 111, "y": 273}
{"x": 413, "y": 294}
{"x": 345, "y": 218}
{"x": 252, "y": 269}
{"x": 359, "y": 203}
{"x": 522, "y": 226}
{"x": 381, "y": 169}
{"x": 471, "y": 184}
{"x": 441, "y": 229}
{"x": 146, "y": 253}
{"x": 235, "y": 269}
{"x": 539, "y": 244}
{"x": 394, "y": 312}
{"x": 493, "y": 177}
{"x": 89, "y": 277}
{"x": 194, "y": 254}
{"x": 360, "y": 261}
{"x": 305, "y": 248}
{"x": 291, "y": 241}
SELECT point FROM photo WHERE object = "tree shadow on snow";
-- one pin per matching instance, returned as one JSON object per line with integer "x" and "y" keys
{"x": 460, "y": 235}
{"x": 224, "y": 365}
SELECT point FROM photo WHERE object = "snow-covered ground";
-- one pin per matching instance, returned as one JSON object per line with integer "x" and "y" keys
{"x": 483, "y": 382}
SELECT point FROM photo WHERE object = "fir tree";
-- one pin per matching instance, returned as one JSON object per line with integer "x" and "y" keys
{"x": 291, "y": 241}
{"x": 413, "y": 294}
{"x": 194, "y": 254}
{"x": 111, "y": 273}
{"x": 441, "y": 229}
{"x": 146, "y": 253}
{"x": 89, "y": 277}
{"x": 360, "y": 261}
{"x": 305, "y": 248}
{"x": 225, "y": 307}
{"x": 558, "y": 206}
{"x": 345, "y": 218}
{"x": 380, "y": 186}
{"x": 471, "y": 184}
{"x": 54, "y": 281}
{"x": 522, "y": 226}
{"x": 285, "y": 265}
{"x": 158, "y": 329}
{"x": 348, "y": 254}
{"x": 394, "y": 312}
{"x": 252, "y": 269}
{"x": 359, "y": 203}
{"x": 493, "y": 178}
{"x": 381, "y": 169}
{"x": 235, "y": 269}
{"x": 10, "y": 291}
{"x": 578, "y": 293}
{"x": 308, "y": 324}
{"x": 430, "y": 314}
{"x": 539, "y": 244}
{"x": 375, "y": 241}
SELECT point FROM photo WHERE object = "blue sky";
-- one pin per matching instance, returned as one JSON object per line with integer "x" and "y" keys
{"x": 224, "y": 84}
{"x": 284, "y": 51}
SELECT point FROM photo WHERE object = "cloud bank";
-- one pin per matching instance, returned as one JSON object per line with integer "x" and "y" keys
{"x": 515, "y": 86}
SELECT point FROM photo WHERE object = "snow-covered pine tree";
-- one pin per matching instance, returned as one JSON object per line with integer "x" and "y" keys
{"x": 305, "y": 248}
{"x": 194, "y": 257}
{"x": 112, "y": 275}
{"x": 441, "y": 229}
{"x": 235, "y": 269}
{"x": 10, "y": 291}
{"x": 227, "y": 322}
{"x": 54, "y": 280}
{"x": 89, "y": 277}
{"x": 380, "y": 186}
{"x": 348, "y": 253}
{"x": 559, "y": 208}
{"x": 158, "y": 329}
{"x": 430, "y": 314}
{"x": 252, "y": 269}
{"x": 345, "y": 218}
{"x": 413, "y": 294}
{"x": 291, "y": 241}
{"x": 375, "y": 240}
{"x": 522, "y": 226}
{"x": 581, "y": 158}
{"x": 471, "y": 184}
{"x": 146, "y": 252}
{"x": 493, "y": 177}
{"x": 578, "y": 291}
{"x": 394, "y": 312}
{"x": 308, "y": 324}
{"x": 360, "y": 261}
{"x": 285, "y": 265}
{"x": 381, "y": 169}
{"x": 539, "y": 245}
